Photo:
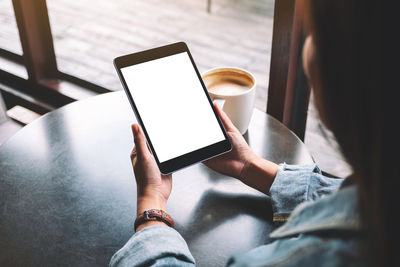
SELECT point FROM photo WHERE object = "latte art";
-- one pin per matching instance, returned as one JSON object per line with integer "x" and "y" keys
{"x": 227, "y": 83}
{"x": 227, "y": 88}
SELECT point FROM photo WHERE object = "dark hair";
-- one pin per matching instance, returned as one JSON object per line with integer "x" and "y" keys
{"x": 359, "y": 106}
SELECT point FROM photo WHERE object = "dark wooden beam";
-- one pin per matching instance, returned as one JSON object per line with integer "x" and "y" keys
{"x": 280, "y": 57}
{"x": 14, "y": 97}
{"x": 11, "y": 55}
{"x": 287, "y": 92}
{"x": 36, "y": 39}
{"x": 297, "y": 91}
{"x": 294, "y": 59}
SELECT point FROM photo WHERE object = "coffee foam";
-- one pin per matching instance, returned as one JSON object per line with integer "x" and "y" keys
{"x": 228, "y": 82}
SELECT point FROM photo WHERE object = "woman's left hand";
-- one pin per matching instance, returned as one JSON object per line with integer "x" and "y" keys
{"x": 153, "y": 188}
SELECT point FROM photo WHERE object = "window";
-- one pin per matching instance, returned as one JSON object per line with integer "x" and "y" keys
{"x": 9, "y": 38}
{"x": 10, "y": 44}
{"x": 88, "y": 36}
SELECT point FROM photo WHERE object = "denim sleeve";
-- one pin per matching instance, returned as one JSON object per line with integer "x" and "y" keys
{"x": 295, "y": 184}
{"x": 154, "y": 246}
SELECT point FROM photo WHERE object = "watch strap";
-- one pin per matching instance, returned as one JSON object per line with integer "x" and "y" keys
{"x": 154, "y": 215}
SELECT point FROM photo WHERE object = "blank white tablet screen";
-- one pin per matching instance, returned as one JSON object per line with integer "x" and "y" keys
{"x": 172, "y": 105}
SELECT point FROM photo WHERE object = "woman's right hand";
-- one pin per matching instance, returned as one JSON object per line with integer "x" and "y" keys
{"x": 241, "y": 162}
{"x": 235, "y": 161}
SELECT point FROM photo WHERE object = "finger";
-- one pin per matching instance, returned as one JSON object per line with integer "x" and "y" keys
{"x": 140, "y": 141}
{"x": 225, "y": 119}
{"x": 133, "y": 152}
{"x": 134, "y": 161}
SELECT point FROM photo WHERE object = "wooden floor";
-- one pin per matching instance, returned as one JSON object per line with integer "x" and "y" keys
{"x": 89, "y": 34}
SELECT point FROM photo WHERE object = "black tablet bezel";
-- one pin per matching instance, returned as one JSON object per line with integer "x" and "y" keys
{"x": 187, "y": 159}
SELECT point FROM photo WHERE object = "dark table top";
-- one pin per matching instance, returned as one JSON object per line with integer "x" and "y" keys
{"x": 68, "y": 194}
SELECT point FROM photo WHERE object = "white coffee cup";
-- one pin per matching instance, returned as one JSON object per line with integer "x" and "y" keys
{"x": 234, "y": 89}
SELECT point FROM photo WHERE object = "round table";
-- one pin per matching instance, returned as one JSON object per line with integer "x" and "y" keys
{"x": 68, "y": 193}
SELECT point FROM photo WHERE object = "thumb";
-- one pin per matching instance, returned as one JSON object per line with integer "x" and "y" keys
{"x": 225, "y": 119}
{"x": 140, "y": 141}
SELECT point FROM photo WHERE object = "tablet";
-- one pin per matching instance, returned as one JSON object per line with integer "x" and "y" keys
{"x": 172, "y": 106}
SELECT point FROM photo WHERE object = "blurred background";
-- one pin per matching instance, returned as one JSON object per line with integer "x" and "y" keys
{"x": 87, "y": 35}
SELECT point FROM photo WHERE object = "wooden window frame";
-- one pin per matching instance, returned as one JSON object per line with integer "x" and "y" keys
{"x": 44, "y": 82}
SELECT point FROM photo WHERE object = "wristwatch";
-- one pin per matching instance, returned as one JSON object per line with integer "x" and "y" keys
{"x": 154, "y": 215}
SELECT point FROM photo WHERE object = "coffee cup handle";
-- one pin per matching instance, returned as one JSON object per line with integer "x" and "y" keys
{"x": 220, "y": 102}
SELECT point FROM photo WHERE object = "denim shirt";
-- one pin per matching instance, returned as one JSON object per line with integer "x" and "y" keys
{"x": 319, "y": 227}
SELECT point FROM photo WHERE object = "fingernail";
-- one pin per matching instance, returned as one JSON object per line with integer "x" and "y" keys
{"x": 135, "y": 129}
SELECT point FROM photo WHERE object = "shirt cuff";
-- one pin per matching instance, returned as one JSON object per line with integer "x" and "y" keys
{"x": 290, "y": 188}
{"x": 151, "y": 245}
